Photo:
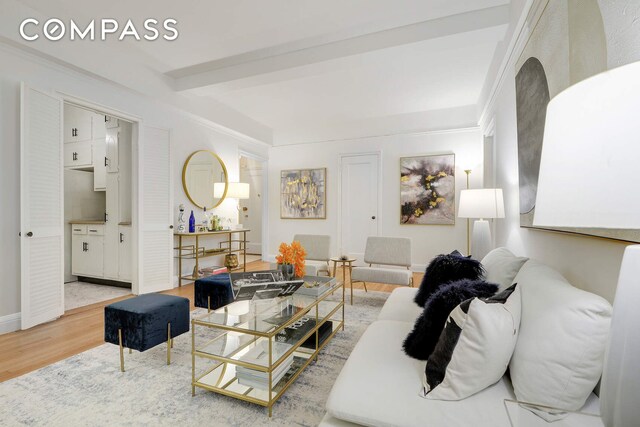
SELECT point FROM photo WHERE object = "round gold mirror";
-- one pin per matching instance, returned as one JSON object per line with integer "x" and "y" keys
{"x": 201, "y": 170}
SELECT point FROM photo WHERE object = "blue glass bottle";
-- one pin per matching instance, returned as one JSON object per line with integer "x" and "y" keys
{"x": 192, "y": 223}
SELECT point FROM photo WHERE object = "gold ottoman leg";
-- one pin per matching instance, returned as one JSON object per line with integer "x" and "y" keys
{"x": 121, "y": 350}
{"x": 168, "y": 343}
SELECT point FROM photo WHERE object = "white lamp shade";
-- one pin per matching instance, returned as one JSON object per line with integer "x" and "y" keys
{"x": 238, "y": 190}
{"x": 218, "y": 189}
{"x": 481, "y": 203}
{"x": 235, "y": 190}
{"x": 591, "y": 152}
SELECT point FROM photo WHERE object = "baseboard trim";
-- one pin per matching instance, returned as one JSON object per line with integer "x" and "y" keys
{"x": 418, "y": 268}
{"x": 254, "y": 248}
{"x": 10, "y": 323}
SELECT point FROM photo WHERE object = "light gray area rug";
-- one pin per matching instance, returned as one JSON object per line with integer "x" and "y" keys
{"x": 89, "y": 390}
{"x": 79, "y": 294}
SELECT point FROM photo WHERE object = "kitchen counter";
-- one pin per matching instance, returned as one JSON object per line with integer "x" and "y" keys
{"x": 86, "y": 221}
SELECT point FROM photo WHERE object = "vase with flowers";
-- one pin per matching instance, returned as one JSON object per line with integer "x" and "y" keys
{"x": 291, "y": 259}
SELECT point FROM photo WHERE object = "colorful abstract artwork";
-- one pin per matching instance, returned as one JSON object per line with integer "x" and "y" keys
{"x": 303, "y": 194}
{"x": 427, "y": 190}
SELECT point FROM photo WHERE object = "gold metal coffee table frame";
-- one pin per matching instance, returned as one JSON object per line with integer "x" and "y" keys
{"x": 221, "y": 376}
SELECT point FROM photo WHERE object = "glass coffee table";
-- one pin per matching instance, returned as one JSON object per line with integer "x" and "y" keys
{"x": 254, "y": 350}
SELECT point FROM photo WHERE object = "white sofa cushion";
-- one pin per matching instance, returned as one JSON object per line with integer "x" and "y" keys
{"x": 400, "y": 306}
{"x": 559, "y": 355}
{"x": 502, "y": 266}
{"x": 393, "y": 276}
{"x": 329, "y": 421}
{"x": 313, "y": 268}
{"x": 475, "y": 346}
{"x": 379, "y": 386}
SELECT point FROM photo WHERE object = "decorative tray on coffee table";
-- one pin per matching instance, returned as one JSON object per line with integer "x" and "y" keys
{"x": 316, "y": 285}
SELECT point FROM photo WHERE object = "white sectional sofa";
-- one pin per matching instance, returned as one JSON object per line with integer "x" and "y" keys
{"x": 379, "y": 385}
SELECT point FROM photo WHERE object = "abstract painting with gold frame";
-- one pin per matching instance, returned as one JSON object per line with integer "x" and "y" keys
{"x": 303, "y": 194}
{"x": 428, "y": 190}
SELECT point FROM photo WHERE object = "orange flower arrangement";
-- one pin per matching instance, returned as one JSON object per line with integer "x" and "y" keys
{"x": 292, "y": 254}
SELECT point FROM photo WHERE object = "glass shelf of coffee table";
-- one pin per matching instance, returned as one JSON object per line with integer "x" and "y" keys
{"x": 254, "y": 350}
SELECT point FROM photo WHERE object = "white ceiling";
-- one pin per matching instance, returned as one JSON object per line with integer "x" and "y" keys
{"x": 387, "y": 75}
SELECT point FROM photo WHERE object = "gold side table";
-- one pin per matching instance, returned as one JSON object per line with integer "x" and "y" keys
{"x": 345, "y": 262}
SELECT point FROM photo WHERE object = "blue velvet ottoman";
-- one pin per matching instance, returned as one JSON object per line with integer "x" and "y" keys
{"x": 213, "y": 292}
{"x": 145, "y": 321}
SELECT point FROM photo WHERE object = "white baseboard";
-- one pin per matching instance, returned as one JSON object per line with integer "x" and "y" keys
{"x": 418, "y": 268}
{"x": 254, "y": 248}
{"x": 10, "y": 323}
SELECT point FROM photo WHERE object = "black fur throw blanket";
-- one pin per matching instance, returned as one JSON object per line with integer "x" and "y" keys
{"x": 444, "y": 269}
{"x": 421, "y": 341}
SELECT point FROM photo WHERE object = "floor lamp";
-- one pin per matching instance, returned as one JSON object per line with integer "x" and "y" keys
{"x": 588, "y": 178}
{"x": 468, "y": 172}
{"x": 483, "y": 204}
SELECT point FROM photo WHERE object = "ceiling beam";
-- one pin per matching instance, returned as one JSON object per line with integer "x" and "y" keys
{"x": 302, "y": 53}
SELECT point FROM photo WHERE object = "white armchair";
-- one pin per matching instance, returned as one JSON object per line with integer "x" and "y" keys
{"x": 379, "y": 253}
{"x": 318, "y": 247}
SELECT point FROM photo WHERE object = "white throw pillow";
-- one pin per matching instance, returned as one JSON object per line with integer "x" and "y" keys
{"x": 502, "y": 266}
{"x": 559, "y": 355}
{"x": 475, "y": 346}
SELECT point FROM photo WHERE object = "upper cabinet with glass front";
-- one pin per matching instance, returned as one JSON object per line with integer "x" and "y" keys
{"x": 201, "y": 170}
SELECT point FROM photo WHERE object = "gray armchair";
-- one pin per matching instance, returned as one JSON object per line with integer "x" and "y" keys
{"x": 379, "y": 253}
{"x": 318, "y": 247}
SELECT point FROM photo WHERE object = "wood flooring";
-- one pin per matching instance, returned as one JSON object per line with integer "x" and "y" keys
{"x": 82, "y": 328}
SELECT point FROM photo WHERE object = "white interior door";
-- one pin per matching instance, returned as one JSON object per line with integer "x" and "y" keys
{"x": 155, "y": 272}
{"x": 359, "y": 203}
{"x": 251, "y": 209}
{"x": 41, "y": 207}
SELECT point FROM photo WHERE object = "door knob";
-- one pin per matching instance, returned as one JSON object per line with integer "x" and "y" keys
{"x": 373, "y": 217}
{"x": 29, "y": 234}
{"x": 171, "y": 227}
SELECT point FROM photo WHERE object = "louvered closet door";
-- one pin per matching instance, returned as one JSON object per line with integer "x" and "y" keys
{"x": 156, "y": 240}
{"x": 41, "y": 203}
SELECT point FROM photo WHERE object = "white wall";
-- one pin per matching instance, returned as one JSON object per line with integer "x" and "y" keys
{"x": 188, "y": 134}
{"x": 589, "y": 263}
{"x": 427, "y": 240}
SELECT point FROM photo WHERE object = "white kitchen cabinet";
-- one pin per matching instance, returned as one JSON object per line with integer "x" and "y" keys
{"x": 125, "y": 253}
{"x": 112, "y": 150}
{"x": 99, "y": 135}
{"x": 111, "y": 236}
{"x": 78, "y": 155}
{"x": 87, "y": 251}
{"x": 111, "y": 122}
{"x": 77, "y": 124}
{"x": 99, "y": 165}
{"x": 98, "y": 126}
